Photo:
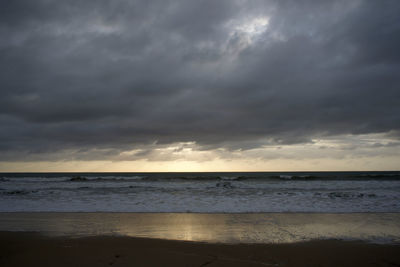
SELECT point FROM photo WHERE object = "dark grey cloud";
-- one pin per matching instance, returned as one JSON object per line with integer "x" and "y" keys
{"x": 117, "y": 75}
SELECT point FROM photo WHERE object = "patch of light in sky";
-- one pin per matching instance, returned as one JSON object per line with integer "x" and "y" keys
{"x": 244, "y": 32}
{"x": 103, "y": 28}
{"x": 253, "y": 26}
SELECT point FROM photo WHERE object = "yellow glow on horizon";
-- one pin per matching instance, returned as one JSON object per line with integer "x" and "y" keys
{"x": 371, "y": 164}
{"x": 346, "y": 153}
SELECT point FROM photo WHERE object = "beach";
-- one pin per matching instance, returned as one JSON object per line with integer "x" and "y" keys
{"x": 194, "y": 239}
{"x": 228, "y": 228}
{"x": 32, "y": 249}
{"x": 200, "y": 219}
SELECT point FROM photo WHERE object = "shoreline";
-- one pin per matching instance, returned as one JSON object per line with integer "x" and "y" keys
{"x": 34, "y": 249}
{"x": 229, "y": 228}
{"x": 193, "y": 239}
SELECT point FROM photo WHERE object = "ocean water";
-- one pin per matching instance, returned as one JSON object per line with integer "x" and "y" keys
{"x": 326, "y": 192}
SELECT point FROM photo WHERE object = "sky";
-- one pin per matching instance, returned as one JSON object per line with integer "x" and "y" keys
{"x": 199, "y": 85}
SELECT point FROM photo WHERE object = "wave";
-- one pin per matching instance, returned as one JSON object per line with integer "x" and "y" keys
{"x": 102, "y": 179}
{"x": 226, "y": 185}
{"x": 232, "y": 178}
{"x": 375, "y": 176}
{"x": 350, "y": 195}
{"x": 299, "y": 177}
{"x": 188, "y": 177}
{"x": 19, "y": 192}
{"x": 335, "y": 177}
{"x": 282, "y": 177}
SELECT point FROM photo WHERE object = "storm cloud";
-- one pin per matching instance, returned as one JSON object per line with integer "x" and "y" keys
{"x": 103, "y": 77}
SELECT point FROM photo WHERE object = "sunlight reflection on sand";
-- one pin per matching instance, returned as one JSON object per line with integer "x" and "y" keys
{"x": 225, "y": 228}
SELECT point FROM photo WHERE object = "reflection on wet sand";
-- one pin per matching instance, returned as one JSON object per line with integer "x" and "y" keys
{"x": 225, "y": 228}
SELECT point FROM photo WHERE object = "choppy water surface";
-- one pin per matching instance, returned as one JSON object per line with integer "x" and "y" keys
{"x": 201, "y": 192}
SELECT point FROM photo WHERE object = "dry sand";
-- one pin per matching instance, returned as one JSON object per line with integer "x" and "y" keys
{"x": 33, "y": 249}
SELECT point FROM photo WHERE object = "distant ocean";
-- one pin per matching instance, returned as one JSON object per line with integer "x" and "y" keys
{"x": 238, "y": 192}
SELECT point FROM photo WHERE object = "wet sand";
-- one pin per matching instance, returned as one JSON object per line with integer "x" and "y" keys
{"x": 193, "y": 239}
{"x": 33, "y": 249}
{"x": 213, "y": 228}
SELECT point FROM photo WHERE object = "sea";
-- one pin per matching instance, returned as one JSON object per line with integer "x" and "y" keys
{"x": 202, "y": 192}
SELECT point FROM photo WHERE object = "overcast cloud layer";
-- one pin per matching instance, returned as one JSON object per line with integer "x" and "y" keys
{"x": 103, "y": 77}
